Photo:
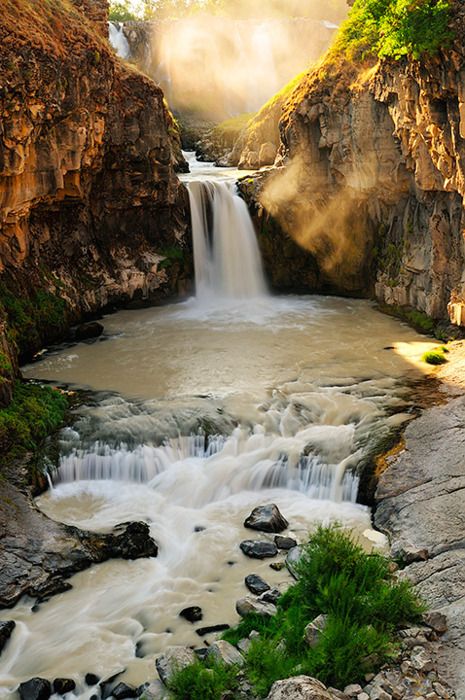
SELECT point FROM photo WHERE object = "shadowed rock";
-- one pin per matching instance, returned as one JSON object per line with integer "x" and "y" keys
{"x": 266, "y": 519}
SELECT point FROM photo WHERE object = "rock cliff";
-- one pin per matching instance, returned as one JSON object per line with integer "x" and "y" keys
{"x": 369, "y": 178}
{"x": 91, "y": 211}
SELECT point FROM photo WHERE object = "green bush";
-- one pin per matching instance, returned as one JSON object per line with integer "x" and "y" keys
{"x": 435, "y": 357}
{"x": 364, "y": 604}
{"x": 34, "y": 413}
{"x": 395, "y": 28}
{"x": 204, "y": 681}
{"x": 121, "y": 12}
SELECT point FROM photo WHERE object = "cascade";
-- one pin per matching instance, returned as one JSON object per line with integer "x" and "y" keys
{"x": 226, "y": 254}
{"x": 118, "y": 40}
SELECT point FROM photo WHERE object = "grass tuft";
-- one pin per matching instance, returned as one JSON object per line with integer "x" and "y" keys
{"x": 436, "y": 356}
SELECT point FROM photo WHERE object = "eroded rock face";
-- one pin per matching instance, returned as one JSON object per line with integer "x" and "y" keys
{"x": 370, "y": 182}
{"x": 90, "y": 206}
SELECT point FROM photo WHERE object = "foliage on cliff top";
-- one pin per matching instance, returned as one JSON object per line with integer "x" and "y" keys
{"x": 364, "y": 604}
{"x": 395, "y": 28}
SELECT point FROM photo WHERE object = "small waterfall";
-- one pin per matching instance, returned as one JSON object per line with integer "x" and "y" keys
{"x": 226, "y": 254}
{"x": 118, "y": 40}
{"x": 196, "y": 470}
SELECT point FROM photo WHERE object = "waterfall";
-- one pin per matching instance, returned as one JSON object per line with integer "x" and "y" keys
{"x": 196, "y": 471}
{"x": 226, "y": 254}
{"x": 118, "y": 40}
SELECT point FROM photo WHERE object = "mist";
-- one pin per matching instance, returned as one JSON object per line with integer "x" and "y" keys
{"x": 233, "y": 61}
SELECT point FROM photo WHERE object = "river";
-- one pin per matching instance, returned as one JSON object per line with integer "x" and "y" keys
{"x": 198, "y": 412}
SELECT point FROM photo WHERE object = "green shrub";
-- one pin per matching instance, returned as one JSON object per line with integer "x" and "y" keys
{"x": 395, "y": 28}
{"x": 121, "y": 12}
{"x": 34, "y": 413}
{"x": 203, "y": 681}
{"x": 435, "y": 357}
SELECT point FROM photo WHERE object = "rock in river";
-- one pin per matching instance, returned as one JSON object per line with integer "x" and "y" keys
{"x": 192, "y": 614}
{"x": 266, "y": 519}
{"x": 35, "y": 689}
{"x": 258, "y": 550}
{"x": 6, "y": 628}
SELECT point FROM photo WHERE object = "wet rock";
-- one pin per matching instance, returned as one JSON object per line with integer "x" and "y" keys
{"x": 154, "y": 691}
{"x": 258, "y": 550}
{"x": 212, "y": 629}
{"x": 86, "y": 331}
{"x": 434, "y": 619}
{"x": 270, "y": 596}
{"x": 63, "y": 685}
{"x": 192, "y": 614}
{"x": 299, "y": 688}
{"x": 313, "y": 631}
{"x": 123, "y": 691}
{"x": 6, "y": 628}
{"x": 174, "y": 659}
{"x": 285, "y": 543}
{"x": 226, "y": 653}
{"x": 266, "y": 519}
{"x": 131, "y": 541}
{"x": 292, "y": 560}
{"x": 256, "y": 584}
{"x": 91, "y": 679}
{"x": 35, "y": 689}
{"x": 277, "y": 565}
{"x": 246, "y": 606}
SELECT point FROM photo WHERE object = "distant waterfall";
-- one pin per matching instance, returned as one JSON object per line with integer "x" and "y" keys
{"x": 118, "y": 40}
{"x": 226, "y": 254}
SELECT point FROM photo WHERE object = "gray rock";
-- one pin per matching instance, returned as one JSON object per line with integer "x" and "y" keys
{"x": 353, "y": 690}
{"x": 35, "y": 689}
{"x": 192, "y": 614}
{"x": 256, "y": 584}
{"x": 174, "y": 659}
{"x": 123, "y": 691}
{"x": 155, "y": 691}
{"x": 379, "y": 694}
{"x": 226, "y": 652}
{"x": 258, "y": 550}
{"x": 244, "y": 645}
{"x": 292, "y": 560}
{"x": 421, "y": 660}
{"x": 6, "y": 628}
{"x": 285, "y": 543}
{"x": 270, "y": 596}
{"x": 246, "y": 606}
{"x": 299, "y": 688}
{"x": 266, "y": 519}
{"x": 437, "y": 621}
{"x": 313, "y": 631}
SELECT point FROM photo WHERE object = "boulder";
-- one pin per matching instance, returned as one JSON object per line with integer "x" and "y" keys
{"x": 86, "y": 331}
{"x": 256, "y": 584}
{"x": 63, "y": 685}
{"x": 353, "y": 690}
{"x": 226, "y": 653}
{"x": 299, "y": 688}
{"x": 35, "y": 689}
{"x": 6, "y": 628}
{"x": 132, "y": 541}
{"x": 292, "y": 560}
{"x": 267, "y": 154}
{"x": 313, "y": 630}
{"x": 154, "y": 691}
{"x": 174, "y": 659}
{"x": 123, "y": 691}
{"x": 266, "y": 519}
{"x": 285, "y": 543}
{"x": 270, "y": 596}
{"x": 436, "y": 620}
{"x": 192, "y": 614}
{"x": 91, "y": 679}
{"x": 246, "y": 606}
{"x": 258, "y": 550}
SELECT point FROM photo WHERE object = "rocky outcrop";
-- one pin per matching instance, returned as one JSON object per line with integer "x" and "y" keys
{"x": 369, "y": 179}
{"x": 91, "y": 211}
{"x": 420, "y": 506}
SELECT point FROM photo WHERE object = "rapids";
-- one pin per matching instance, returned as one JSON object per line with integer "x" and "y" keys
{"x": 200, "y": 411}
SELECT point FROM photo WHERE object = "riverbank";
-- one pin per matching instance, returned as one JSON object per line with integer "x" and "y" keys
{"x": 420, "y": 506}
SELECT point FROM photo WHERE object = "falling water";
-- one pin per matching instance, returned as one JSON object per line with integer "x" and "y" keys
{"x": 118, "y": 40}
{"x": 226, "y": 255}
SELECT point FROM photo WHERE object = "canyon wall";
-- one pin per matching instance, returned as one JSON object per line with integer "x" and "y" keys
{"x": 369, "y": 179}
{"x": 91, "y": 210}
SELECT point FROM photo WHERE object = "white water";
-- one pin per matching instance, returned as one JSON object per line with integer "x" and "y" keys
{"x": 226, "y": 256}
{"x": 293, "y": 393}
{"x": 118, "y": 40}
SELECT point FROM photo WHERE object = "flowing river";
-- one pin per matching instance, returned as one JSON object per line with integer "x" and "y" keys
{"x": 200, "y": 411}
